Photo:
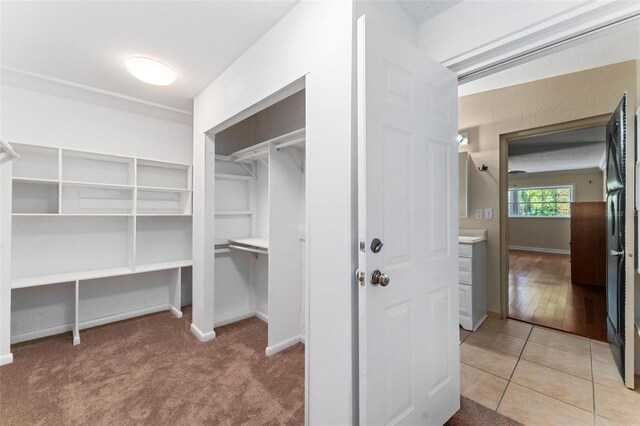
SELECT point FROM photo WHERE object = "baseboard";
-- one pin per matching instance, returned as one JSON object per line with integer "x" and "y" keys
{"x": 540, "y": 249}
{"x": 303, "y": 339}
{"x": 175, "y": 311}
{"x": 122, "y": 316}
{"x": 233, "y": 318}
{"x": 272, "y": 350}
{"x": 6, "y": 359}
{"x": 43, "y": 332}
{"x": 65, "y": 328}
{"x": 203, "y": 337}
{"x": 263, "y": 317}
{"x": 494, "y": 315}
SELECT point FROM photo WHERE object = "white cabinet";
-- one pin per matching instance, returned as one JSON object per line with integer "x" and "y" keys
{"x": 472, "y": 284}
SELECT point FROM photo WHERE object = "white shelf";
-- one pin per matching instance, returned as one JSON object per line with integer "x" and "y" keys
{"x": 235, "y": 213}
{"x": 162, "y": 189}
{"x": 256, "y": 242}
{"x": 163, "y": 215}
{"x": 33, "y": 180}
{"x": 73, "y": 214}
{"x": 161, "y": 266}
{"x": 228, "y": 176}
{"x": 90, "y": 275}
{"x": 68, "y": 277}
{"x": 96, "y": 185}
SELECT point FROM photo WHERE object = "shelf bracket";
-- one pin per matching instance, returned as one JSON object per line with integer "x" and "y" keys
{"x": 248, "y": 170}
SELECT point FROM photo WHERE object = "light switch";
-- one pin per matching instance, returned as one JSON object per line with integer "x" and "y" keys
{"x": 488, "y": 213}
{"x": 478, "y": 213}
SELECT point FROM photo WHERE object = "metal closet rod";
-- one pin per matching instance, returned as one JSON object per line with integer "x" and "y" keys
{"x": 6, "y": 146}
{"x": 290, "y": 143}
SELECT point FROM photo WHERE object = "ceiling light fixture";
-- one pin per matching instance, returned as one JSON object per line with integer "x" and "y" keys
{"x": 150, "y": 70}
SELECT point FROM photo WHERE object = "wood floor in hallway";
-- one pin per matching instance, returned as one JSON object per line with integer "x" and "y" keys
{"x": 540, "y": 292}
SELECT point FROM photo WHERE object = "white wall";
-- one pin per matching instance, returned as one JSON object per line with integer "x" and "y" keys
{"x": 314, "y": 39}
{"x": 30, "y": 116}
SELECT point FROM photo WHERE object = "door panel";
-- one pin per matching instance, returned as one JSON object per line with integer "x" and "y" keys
{"x": 615, "y": 172}
{"x": 407, "y": 166}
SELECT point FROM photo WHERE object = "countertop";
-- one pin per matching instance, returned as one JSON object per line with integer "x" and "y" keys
{"x": 471, "y": 240}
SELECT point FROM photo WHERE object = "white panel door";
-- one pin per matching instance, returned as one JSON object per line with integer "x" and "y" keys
{"x": 407, "y": 195}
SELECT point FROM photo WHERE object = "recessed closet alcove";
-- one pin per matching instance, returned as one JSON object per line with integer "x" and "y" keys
{"x": 259, "y": 189}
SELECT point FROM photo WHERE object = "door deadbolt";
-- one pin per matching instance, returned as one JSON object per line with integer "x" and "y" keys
{"x": 378, "y": 277}
{"x": 376, "y": 245}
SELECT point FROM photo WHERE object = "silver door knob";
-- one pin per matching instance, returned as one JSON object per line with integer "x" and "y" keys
{"x": 378, "y": 277}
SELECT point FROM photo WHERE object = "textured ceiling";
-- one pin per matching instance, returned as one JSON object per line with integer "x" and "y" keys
{"x": 576, "y": 150}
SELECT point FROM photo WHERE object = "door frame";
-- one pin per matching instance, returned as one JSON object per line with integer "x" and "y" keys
{"x": 583, "y": 123}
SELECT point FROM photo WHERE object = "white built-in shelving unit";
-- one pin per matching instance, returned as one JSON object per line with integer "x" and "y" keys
{"x": 259, "y": 214}
{"x": 79, "y": 216}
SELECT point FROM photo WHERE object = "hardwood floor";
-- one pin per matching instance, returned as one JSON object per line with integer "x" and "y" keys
{"x": 540, "y": 292}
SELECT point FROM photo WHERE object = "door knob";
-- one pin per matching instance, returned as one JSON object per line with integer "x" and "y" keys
{"x": 378, "y": 277}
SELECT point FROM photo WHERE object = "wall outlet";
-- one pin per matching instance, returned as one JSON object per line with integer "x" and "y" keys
{"x": 478, "y": 213}
{"x": 488, "y": 213}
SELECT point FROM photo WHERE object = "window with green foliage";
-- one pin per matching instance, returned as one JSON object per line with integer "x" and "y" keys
{"x": 547, "y": 201}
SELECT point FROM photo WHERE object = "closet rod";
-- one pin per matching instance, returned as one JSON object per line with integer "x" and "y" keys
{"x": 290, "y": 143}
{"x": 6, "y": 147}
{"x": 250, "y": 249}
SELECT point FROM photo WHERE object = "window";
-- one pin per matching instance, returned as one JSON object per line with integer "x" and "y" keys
{"x": 546, "y": 201}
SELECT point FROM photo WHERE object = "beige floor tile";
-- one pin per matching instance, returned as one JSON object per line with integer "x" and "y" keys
{"x": 497, "y": 341}
{"x": 532, "y": 408}
{"x": 618, "y": 404}
{"x": 601, "y": 421}
{"x": 480, "y": 386}
{"x": 493, "y": 362}
{"x": 553, "y": 383}
{"x": 603, "y": 366}
{"x": 559, "y": 340}
{"x": 507, "y": 326}
{"x": 567, "y": 362}
{"x": 463, "y": 334}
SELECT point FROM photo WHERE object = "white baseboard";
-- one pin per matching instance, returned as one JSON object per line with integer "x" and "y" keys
{"x": 123, "y": 316}
{"x": 262, "y": 316}
{"x": 175, "y": 311}
{"x": 203, "y": 337}
{"x": 43, "y": 332}
{"x": 6, "y": 359}
{"x": 540, "y": 249}
{"x": 272, "y": 350}
{"x": 65, "y": 328}
{"x": 233, "y": 318}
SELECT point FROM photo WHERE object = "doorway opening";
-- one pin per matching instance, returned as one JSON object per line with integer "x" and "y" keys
{"x": 557, "y": 248}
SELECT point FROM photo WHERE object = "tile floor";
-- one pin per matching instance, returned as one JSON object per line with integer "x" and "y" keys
{"x": 540, "y": 376}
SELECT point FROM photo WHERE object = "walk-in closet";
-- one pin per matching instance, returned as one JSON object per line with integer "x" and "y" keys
{"x": 260, "y": 221}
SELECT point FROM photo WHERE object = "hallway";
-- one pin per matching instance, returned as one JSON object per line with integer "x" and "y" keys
{"x": 540, "y": 292}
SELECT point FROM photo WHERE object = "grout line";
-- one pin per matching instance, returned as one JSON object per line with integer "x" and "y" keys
{"x": 593, "y": 385}
{"x": 514, "y": 368}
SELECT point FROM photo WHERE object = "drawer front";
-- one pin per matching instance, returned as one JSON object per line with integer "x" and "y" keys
{"x": 464, "y": 264}
{"x": 465, "y": 299}
{"x": 465, "y": 277}
{"x": 465, "y": 250}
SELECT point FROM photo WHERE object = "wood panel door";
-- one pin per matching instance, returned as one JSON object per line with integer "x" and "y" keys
{"x": 589, "y": 243}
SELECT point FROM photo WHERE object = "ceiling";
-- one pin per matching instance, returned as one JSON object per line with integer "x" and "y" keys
{"x": 422, "y": 10}
{"x": 575, "y": 150}
{"x": 87, "y": 42}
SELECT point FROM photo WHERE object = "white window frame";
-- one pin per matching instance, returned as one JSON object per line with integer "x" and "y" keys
{"x": 570, "y": 186}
